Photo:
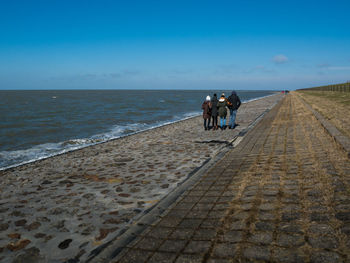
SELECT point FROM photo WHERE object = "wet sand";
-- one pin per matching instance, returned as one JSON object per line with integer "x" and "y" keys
{"x": 64, "y": 207}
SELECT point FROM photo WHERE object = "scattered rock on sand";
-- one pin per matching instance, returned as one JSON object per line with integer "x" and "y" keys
{"x": 18, "y": 245}
{"x": 64, "y": 244}
{"x": 21, "y": 222}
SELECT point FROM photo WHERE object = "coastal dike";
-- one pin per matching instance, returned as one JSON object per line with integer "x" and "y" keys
{"x": 275, "y": 189}
{"x": 282, "y": 194}
{"x": 81, "y": 205}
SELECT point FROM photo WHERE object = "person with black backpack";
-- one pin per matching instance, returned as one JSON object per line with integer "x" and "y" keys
{"x": 233, "y": 103}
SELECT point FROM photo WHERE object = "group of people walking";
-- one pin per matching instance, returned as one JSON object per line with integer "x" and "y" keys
{"x": 214, "y": 108}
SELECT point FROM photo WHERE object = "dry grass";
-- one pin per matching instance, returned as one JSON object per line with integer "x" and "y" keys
{"x": 334, "y": 106}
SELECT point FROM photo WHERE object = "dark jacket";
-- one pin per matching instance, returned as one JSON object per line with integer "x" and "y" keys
{"x": 214, "y": 108}
{"x": 206, "y": 109}
{"x": 234, "y": 100}
{"x": 222, "y": 108}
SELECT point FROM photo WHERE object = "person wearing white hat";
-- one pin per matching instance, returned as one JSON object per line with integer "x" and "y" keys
{"x": 206, "y": 107}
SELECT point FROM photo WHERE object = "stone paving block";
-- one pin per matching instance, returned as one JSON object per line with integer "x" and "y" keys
{"x": 343, "y": 216}
{"x": 189, "y": 258}
{"x": 173, "y": 214}
{"x": 203, "y": 187}
{"x": 240, "y": 215}
{"x": 184, "y": 206}
{"x": 162, "y": 257}
{"x": 267, "y": 207}
{"x": 321, "y": 229}
{"x": 264, "y": 238}
{"x": 318, "y": 208}
{"x": 194, "y": 192}
{"x": 203, "y": 206}
{"x": 191, "y": 199}
{"x": 224, "y": 250}
{"x": 137, "y": 256}
{"x": 324, "y": 257}
{"x": 247, "y": 199}
{"x": 213, "y": 195}
{"x": 257, "y": 253}
{"x": 326, "y": 242}
{"x": 159, "y": 232}
{"x": 346, "y": 229}
{"x": 290, "y": 240}
{"x": 182, "y": 233}
{"x": 148, "y": 243}
{"x": 264, "y": 226}
{"x": 270, "y": 192}
{"x": 231, "y": 193}
{"x": 290, "y": 228}
{"x": 211, "y": 223}
{"x": 197, "y": 247}
{"x": 288, "y": 255}
{"x": 224, "y": 199}
{"x": 208, "y": 199}
{"x": 221, "y": 206}
{"x": 218, "y": 260}
{"x": 197, "y": 214}
{"x": 190, "y": 223}
{"x": 232, "y": 236}
{"x": 266, "y": 216}
{"x": 292, "y": 199}
{"x": 221, "y": 183}
{"x": 217, "y": 214}
{"x": 246, "y": 206}
{"x": 319, "y": 217}
{"x": 173, "y": 245}
{"x": 177, "y": 213}
{"x": 204, "y": 234}
{"x": 250, "y": 193}
{"x": 169, "y": 221}
{"x": 238, "y": 225}
{"x": 290, "y": 216}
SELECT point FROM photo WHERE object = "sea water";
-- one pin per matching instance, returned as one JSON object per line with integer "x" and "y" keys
{"x": 37, "y": 124}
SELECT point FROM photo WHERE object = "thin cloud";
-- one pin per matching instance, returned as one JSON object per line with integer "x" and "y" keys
{"x": 280, "y": 59}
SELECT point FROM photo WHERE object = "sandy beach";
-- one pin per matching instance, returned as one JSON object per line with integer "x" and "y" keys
{"x": 64, "y": 207}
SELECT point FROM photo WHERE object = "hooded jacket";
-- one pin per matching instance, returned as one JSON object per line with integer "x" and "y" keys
{"x": 206, "y": 109}
{"x": 222, "y": 107}
{"x": 234, "y": 100}
{"x": 214, "y": 108}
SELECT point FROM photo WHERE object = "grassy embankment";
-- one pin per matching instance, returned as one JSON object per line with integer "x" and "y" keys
{"x": 334, "y": 106}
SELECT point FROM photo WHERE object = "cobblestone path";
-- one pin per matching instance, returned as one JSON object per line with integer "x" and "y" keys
{"x": 282, "y": 195}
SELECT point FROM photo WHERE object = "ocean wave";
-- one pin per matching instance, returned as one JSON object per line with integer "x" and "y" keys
{"x": 10, "y": 159}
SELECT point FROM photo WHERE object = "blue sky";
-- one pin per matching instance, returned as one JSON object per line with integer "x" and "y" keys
{"x": 173, "y": 44}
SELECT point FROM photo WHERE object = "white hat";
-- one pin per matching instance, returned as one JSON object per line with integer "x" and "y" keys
{"x": 208, "y": 98}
